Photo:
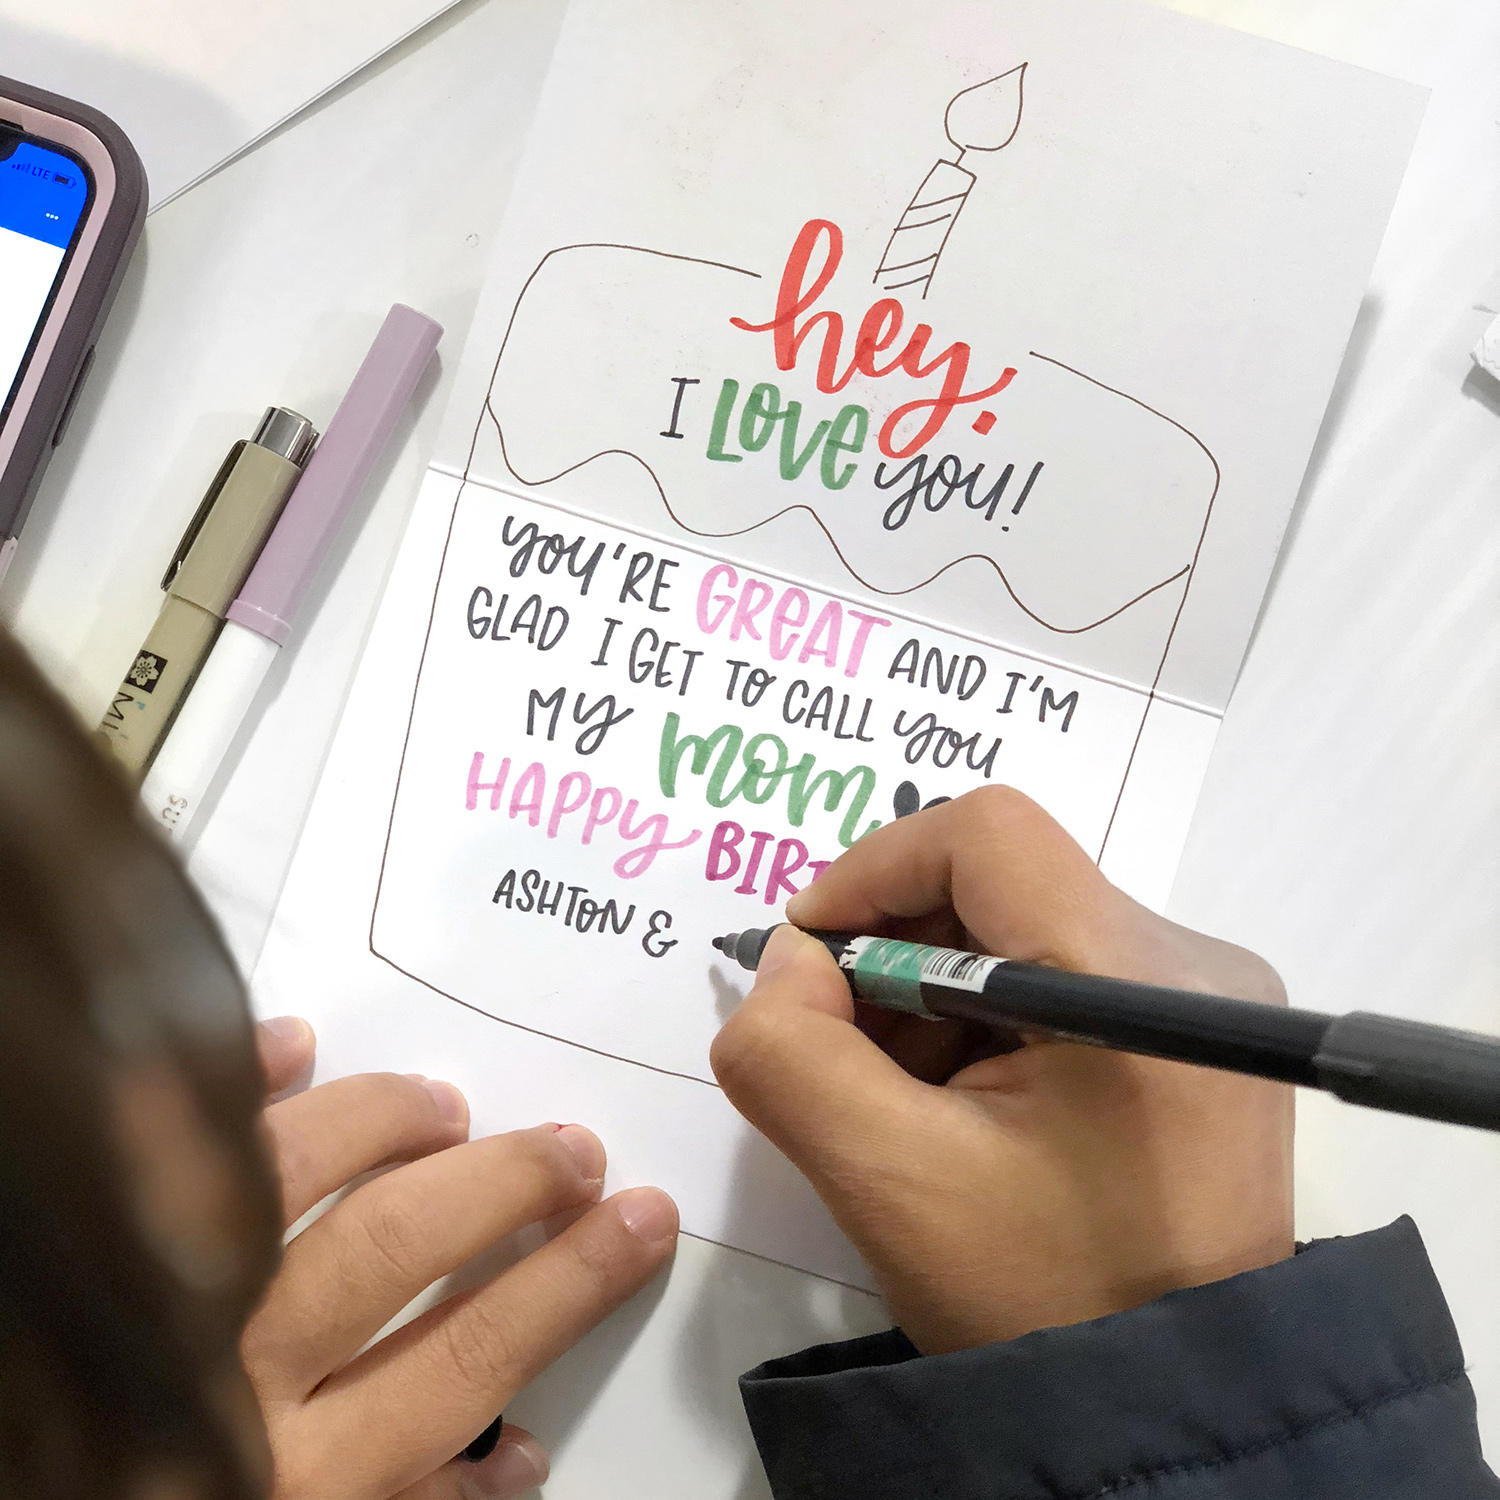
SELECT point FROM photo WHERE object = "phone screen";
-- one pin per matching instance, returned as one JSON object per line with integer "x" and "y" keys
{"x": 44, "y": 194}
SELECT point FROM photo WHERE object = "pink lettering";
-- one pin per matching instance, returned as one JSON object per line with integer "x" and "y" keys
{"x": 825, "y": 629}
{"x": 782, "y": 865}
{"x": 495, "y": 788}
{"x": 781, "y": 644}
{"x": 533, "y": 783}
{"x": 560, "y": 804}
{"x": 857, "y": 649}
{"x": 723, "y": 855}
{"x": 745, "y": 612}
{"x": 706, "y": 593}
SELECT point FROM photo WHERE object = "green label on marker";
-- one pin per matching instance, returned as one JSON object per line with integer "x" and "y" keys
{"x": 890, "y": 972}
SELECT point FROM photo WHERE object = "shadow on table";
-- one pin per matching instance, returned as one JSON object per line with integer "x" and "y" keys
{"x": 751, "y": 1308}
{"x": 1361, "y": 336}
{"x": 1482, "y": 387}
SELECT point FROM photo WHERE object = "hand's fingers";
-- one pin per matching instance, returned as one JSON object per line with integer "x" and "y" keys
{"x": 792, "y": 1063}
{"x": 328, "y": 1136}
{"x": 1024, "y": 889}
{"x": 517, "y": 1465}
{"x": 930, "y": 1050}
{"x": 349, "y": 1274}
{"x": 442, "y": 1377}
{"x": 286, "y": 1045}
{"x": 1018, "y": 881}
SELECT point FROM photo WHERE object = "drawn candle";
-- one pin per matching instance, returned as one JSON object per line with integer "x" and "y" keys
{"x": 982, "y": 118}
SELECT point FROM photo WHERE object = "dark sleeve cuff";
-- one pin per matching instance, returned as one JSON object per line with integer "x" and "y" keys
{"x": 1337, "y": 1373}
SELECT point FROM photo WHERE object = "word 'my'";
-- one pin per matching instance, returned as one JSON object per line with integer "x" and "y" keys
{"x": 879, "y": 329}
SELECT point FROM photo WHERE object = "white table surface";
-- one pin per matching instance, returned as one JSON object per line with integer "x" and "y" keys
{"x": 1350, "y": 826}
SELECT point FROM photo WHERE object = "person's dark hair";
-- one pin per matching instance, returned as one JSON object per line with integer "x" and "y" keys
{"x": 113, "y": 982}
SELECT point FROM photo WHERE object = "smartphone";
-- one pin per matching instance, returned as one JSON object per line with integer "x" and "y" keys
{"x": 72, "y": 200}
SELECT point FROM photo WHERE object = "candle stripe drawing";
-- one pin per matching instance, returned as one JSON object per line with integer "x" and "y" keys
{"x": 984, "y": 117}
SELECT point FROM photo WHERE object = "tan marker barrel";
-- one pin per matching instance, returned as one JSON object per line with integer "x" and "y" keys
{"x": 232, "y": 524}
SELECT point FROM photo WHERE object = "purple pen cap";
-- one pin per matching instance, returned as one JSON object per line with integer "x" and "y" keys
{"x": 336, "y": 473}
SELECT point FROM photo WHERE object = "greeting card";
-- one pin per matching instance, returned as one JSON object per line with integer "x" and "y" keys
{"x": 866, "y": 405}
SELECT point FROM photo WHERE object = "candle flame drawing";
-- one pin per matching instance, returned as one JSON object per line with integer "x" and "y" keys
{"x": 984, "y": 117}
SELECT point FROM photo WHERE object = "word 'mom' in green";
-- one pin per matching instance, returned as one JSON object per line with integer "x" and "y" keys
{"x": 758, "y": 779}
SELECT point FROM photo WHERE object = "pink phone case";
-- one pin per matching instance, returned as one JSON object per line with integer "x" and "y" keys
{"x": 61, "y": 359}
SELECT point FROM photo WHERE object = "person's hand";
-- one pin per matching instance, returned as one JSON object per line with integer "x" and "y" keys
{"x": 350, "y": 1426}
{"x": 996, "y": 1194}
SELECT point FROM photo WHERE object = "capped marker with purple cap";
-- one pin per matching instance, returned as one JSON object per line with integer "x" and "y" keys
{"x": 259, "y": 621}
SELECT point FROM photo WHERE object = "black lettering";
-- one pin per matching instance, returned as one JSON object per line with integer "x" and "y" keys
{"x": 534, "y": 701}
{"x": 610, "y": 624}
{"x": 609, "y": 912}
{"x": 682, "y": 382}
{"x": 909, "y": 670}
{"x": 592, "y": 737}
{"x": 653, "y": 942}
{"x": 660, "y": 585}
{"x": 527, "y": 617}
{"x": 1016, "y": 678}
{"x": 479, "y": 625}
{"x": 1015, "y": 509}
{"x": 640, "y": 671}
{"x": 933, "y": 662}
{"x": 1067, "y": 703}
{"x": 546, "y": 641}
{"x": 635, "y": 570}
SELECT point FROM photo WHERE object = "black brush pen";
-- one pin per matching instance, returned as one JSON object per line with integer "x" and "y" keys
{"x": 1383, "y": 1062}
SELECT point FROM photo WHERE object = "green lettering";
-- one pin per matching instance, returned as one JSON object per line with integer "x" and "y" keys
{"x": 761, "y": 414}
{"x": 840, "y": 442}
{"x": 728, "y": 395}
{"x": 758, "y": 782}
{"x": 792, "y": 462}
{"x": 727, "y": 739}
{"x": 801, "y": 793}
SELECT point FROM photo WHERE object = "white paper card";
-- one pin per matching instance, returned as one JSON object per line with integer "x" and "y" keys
{"x": 862, "y": 408}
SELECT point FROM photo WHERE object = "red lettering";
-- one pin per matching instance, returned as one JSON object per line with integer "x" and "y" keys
{"x": 879, "y": 329}
{"x": 792, "y": 300}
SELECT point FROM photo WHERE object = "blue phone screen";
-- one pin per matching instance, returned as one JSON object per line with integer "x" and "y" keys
{"x": 43, "y": 195}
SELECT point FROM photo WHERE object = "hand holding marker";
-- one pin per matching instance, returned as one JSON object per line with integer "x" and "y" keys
{"x": 259, "y": 620}
{"x": 1381, "y": 1061}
